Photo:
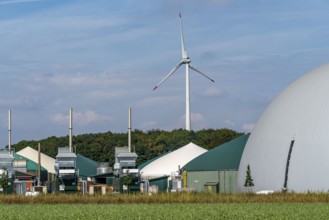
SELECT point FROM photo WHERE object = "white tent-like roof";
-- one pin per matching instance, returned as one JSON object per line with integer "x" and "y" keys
{"x": 46, "y": 161}
{"x": 170, "y": 162}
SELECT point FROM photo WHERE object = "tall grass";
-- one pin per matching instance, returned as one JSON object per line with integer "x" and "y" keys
{"x": 166, "y": 198}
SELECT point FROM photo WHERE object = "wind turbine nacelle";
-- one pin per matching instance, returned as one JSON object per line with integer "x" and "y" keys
{"x": 186, "y": 60}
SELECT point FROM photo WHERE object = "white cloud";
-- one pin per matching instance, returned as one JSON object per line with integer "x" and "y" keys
{"x": 148, "y": 125}
{"x": 229, "y": 123}
{"x": 158, "y": 101}
{"x": 212, "y": 91}
{"x": 80, "y": 79}
{"x": 77, "y": 79}
{"x": 248, "y": 127}
{"x": 17, "y": 102}
{"x": 36, "y": 82}
{"x": 198, "y": 121}
{"x": 105, "y": 95}
{"x": 195, "y": 4}
{"x": 17, "y": 1}
{"x": 81, "y": 118}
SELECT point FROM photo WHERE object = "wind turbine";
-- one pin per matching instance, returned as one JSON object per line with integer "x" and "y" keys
{"x": 185, "y": 60}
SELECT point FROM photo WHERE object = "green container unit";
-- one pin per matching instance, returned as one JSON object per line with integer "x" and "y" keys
{"x": 102, "y": 178}
{"x": 118, "y": 185}
{"x": 72, "y": 189}
{"x": 109, "y": 181}
{"x": 66, "y": 185}
{"x": 134, "y": 189}
{"x": 161, "y": 182}
{"x": 134, "y": 186}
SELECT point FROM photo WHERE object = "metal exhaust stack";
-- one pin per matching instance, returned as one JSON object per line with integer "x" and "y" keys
{"x": 129, "y": 129}
{"x": 9, "y": 130}
{"x": 39, "y": 165}
{"x": 70, "y": 131}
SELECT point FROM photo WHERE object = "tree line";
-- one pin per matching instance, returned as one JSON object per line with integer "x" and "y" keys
{"x": 147, "y": 145}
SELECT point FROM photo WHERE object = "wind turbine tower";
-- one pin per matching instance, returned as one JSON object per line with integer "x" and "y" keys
{"x": 185, "y": 60}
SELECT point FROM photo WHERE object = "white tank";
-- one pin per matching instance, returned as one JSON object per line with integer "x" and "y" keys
{"x": 19, "y": 163}
{"x": 104, "y": 168}
{"x": 299, "y": 113}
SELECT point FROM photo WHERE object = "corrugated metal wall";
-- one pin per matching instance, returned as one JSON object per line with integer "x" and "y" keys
{"x": 227, "y": 180}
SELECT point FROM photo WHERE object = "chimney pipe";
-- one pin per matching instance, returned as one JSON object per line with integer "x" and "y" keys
{"x": 9, "y": 130}
{"x": 129, "y": 129}
{"x": 39, "y": 165}
{"x": 70, "y": 131}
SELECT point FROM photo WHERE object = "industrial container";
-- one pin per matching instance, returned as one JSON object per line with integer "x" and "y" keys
{"x": 109, "y": 181}
{"x": 118, "y": 185}
{"x": 104, "y": 168}
{"x": 20, "y": 164}
{"x": 40, "y": 189}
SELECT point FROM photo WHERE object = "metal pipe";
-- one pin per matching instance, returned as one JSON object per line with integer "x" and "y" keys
{"x": 39, "y": 165}
{"x": 9, "y": 130}
{"x": 70, "y": 130}
{"x": 185, "y": 179}
{"x": 129, "y": 129}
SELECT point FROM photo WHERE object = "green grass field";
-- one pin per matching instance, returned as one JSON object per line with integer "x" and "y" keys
{"x": 166, "y": 211}
{"x": 187, "y": 206}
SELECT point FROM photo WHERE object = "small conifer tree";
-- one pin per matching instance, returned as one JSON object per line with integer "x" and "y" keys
{"x": 4, "y": 180}
{"x": 127, "y": 180}
{"x": 249, "y": 182}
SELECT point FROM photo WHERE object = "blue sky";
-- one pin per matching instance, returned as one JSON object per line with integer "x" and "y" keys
{"x": 101, "y": 57}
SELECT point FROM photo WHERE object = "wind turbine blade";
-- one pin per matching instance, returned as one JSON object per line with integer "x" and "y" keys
{"x": 169, "y": 74}
{"x": 193, "y": 68}
{"x": 184, "y": 54}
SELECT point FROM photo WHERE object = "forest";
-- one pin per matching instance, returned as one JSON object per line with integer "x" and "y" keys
{"x": 147, "y": 145}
